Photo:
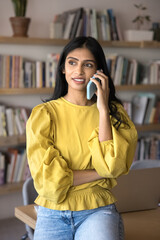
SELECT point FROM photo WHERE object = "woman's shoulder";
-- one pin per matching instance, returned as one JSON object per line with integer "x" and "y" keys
{"x": 47, "y": 106}
{"x": 118, "y": 106}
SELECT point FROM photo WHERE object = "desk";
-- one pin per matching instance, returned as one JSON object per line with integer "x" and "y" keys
{"x": 141, "y": 225}
{"x": 27, "y": 214}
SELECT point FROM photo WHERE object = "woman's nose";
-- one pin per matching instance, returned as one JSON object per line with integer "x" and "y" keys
{"x": 80, "y": 69}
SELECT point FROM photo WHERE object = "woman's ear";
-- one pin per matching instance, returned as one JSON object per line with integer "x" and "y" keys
{"x": 63, "y": 71}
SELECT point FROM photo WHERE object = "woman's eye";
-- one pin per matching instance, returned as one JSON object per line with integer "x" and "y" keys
{"x": 71, "y": 62}
{"x": 89, "y": 65}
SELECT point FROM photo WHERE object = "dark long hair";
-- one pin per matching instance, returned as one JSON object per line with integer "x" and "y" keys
{"x": 61, "y": 85}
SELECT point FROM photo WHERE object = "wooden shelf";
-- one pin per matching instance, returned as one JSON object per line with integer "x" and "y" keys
{"x": 142, "y": 87}
{"x": 26, "y": 91}
{"x": 148, "y": 127}
{"x": 12, "y": 140}
{"x": 10, "y": 188}
{"x": 62, "y": 42}
{"x": 31, "y": 91}
{"x": 33, "y": 41}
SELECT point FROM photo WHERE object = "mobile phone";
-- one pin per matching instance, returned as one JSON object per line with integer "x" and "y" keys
{"x": 91, "y": 88}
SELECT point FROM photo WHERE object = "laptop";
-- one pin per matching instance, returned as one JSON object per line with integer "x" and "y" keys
{"x": 138, "y": 190}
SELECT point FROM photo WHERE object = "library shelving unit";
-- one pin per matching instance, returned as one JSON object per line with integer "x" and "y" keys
{"x": 42, "y": 42}
{"x": 9, "y": 188}
{"x": 10, "y": 141}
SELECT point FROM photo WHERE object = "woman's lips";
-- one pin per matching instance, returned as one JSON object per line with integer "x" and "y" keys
{"x": 78, "y": 80}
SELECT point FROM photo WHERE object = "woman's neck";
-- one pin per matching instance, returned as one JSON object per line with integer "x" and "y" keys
{"x": 78, "y": 99}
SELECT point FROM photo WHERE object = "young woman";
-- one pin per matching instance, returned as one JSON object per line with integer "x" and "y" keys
{"x": 77, "y": 148}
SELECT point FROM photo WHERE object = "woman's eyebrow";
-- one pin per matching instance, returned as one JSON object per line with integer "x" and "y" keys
{"x": 86, "y": 60}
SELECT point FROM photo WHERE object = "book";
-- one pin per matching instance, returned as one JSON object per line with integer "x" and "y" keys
{"x": 118, "y": 71}
{"x": 69, "y": 24}
{"x": 7, "y": 71}
{"x": 150, "y": 106}
{"x": 20, "y": 175}
{"x": 93, "y": 22}
{"x": 128, "y": 107}
{"x": 112, "y": 58}
{"x": 1, "y": 71}
{"x": 135, "y": 67}
{"x": 119, "y": 31}
{"x": 140, "y": 102}
{"x": 84, "y": 27}
{"x": 113, "y": 27}
{"x": 27, "y": 74}
{"x": 78, "y": 15}
{"x": 16, "y": 72}
{"x": 17, "y": 166}
{"x": 2, "y": 169}
{"x": 24, "y": 115}
{"x": 3, "y": 127}
{"x": 154, "y": 72}
{"x": 107, "y": 24}
{"x": 124, "y": 71}
{"x": 130, "y": 72}
{"x": 51, "y": 69}
{"x": 11, "y": 164}
{"x": 39, "y": 74}
{"x": 56, "y": 27}
{"x": 21, "y": 73}
{"x": 87, "y": 22}
{"x": 156, "y": 117}
{"x": 19, "y": 121}
{"x": 103, "y": 25}
{"x": 99, "y": 30}
{"x": 10, "y": 122}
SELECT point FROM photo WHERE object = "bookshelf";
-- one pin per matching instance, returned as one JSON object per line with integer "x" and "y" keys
{"x": 139, "y": 88}
{"x": 10, "y": 188}
{"x": 62, "y": 42}
{"x": 11, "y": 141}
{"x": 121, "y": 88}
{"x": 148, "y": 128}
{"x": 26, "y": 91}
{"x": 46, "y": 42}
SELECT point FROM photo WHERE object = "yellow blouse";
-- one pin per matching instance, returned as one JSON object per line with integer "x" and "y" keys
{"x": 62, "y": 137}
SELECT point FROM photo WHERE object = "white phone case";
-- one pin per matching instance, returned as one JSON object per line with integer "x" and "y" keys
{"x": 91, "y": 88}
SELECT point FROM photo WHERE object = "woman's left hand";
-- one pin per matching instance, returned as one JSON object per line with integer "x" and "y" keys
{"x": 102, "y": 90}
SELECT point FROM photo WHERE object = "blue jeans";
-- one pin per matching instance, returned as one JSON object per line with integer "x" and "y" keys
{"x": 102, "y": 223}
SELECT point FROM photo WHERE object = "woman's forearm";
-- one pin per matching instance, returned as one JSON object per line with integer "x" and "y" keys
{"x": 85, "y": 176}
{"x": 105, "y": 130}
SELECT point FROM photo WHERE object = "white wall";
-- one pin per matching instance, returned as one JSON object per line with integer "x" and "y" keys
{"x": 8, "y": 203}
{"x": 41, "y": 13}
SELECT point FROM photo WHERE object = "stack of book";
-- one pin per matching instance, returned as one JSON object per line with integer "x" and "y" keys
{"x": 19, "y": 72}
{"x": 13, "y": 120}
{"x": 124, "y": 71}
{"x": 154, "y": 72}
{"x": 146, "y": 108}
{"x": 14, "y": 166}
{"x": 143, "y": 109}
{"x": 100, "y": 24}
{"x": 148, "y": 147}
{"x": 2, "y": 168}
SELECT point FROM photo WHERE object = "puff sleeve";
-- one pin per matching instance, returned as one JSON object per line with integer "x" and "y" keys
{"x": 51, "y": 175}
{"x": 113, "y": 158}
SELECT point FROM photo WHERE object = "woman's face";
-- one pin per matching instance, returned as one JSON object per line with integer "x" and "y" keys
{"x": 80, "y": 65}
